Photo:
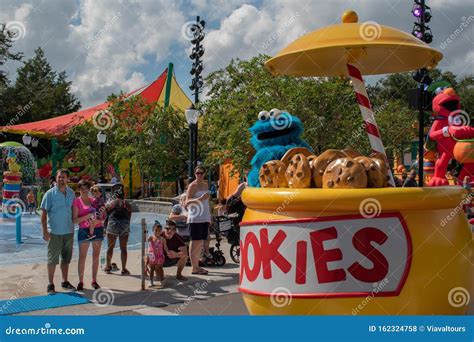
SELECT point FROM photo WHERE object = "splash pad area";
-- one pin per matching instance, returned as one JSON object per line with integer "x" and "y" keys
{"x": 33, "y": 248}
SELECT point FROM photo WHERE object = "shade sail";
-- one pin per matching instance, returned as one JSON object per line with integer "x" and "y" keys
{"x": 59, "y": 127}
{"x": 373, "y": 48}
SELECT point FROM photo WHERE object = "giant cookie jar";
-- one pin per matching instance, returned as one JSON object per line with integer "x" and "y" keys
{"x": 393, "y": 251}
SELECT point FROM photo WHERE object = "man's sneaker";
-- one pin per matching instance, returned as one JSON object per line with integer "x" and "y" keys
{"x": 67, "y": 286}
{"x": 50, "y": 289}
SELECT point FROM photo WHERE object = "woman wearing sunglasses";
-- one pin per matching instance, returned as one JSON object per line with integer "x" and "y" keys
{"x": 84, "y": 214}
{"x": 199, "y": 216}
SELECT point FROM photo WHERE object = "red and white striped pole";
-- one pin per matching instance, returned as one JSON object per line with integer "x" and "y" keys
{"x": 367, "y": 114}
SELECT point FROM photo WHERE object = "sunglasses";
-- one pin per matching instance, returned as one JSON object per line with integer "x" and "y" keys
{"x": 199, "y": 173}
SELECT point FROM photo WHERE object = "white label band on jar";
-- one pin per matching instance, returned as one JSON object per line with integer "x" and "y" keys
{"x": 337, "y": 256}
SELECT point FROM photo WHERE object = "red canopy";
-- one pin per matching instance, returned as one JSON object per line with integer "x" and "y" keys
{"x": 59, "y": 126}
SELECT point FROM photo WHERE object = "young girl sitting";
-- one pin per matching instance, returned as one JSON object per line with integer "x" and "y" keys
{"x": 156, "y": 254}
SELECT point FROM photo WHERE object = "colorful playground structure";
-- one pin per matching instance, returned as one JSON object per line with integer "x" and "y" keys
{"x": 312, "y": 251}
{"x": 11, "y": 187}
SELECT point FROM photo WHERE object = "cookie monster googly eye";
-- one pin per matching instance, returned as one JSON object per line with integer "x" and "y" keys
{"x": 274, "y": 113}
{"x": 263, "y": 115}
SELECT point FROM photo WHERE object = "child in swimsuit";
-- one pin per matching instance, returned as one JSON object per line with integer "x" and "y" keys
{"x": 156, "y": 254}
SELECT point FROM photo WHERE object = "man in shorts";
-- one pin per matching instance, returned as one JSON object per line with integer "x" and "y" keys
{"x": 56, "y": 214}
{"x": 177, "y": 252}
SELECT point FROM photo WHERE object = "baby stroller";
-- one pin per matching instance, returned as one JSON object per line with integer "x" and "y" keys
{"x": 233, "y": 238}
{"x": 235, "y": 209}
{"x": 216, "y": 256}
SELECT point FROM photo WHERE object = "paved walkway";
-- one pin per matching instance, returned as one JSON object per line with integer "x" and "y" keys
{"x": 214, "y": 294}
{"x": 122, "y": 295}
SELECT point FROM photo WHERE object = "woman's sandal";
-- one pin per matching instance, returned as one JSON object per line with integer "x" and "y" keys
{"x": 125, "y": 272}
{"x": 201, "y": 272}
{"x": 108, "y": 270}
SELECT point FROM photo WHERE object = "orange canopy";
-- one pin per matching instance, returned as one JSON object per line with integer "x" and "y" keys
{"x": 59, "y": 126}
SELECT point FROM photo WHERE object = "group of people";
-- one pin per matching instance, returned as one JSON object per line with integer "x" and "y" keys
{"x": 187, "y": 228}
{"x": 408, "y": 180}
{"x": 61, "y": 210}
{"x": 188, "y": 223}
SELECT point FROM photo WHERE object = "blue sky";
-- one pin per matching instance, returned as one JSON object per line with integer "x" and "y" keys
{"x": 107, "y": 45}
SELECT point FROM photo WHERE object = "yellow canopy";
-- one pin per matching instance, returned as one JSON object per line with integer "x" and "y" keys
{"x": 373, "y": 48}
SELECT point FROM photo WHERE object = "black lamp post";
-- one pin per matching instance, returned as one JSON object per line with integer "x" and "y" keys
{"x": 101, "y": 138}
{"x": 192, "y": 116}
{"x": 196, "y": 86}
{"x": 26, "y": 139}
{"x": 423, "y": 32}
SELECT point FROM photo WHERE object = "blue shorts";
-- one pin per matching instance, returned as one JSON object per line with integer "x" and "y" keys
{"x": 83, "y": 234}
{"x": 199, "y": 231}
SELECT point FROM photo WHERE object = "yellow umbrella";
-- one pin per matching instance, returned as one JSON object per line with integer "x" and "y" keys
{"x": 352, "y": 49}
{"x": 371, "y": 47}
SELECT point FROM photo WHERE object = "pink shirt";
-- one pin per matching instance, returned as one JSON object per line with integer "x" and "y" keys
{"x": 83, "y": 210}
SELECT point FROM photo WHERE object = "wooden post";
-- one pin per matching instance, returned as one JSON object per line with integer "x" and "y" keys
{"x": 144, "y": 232}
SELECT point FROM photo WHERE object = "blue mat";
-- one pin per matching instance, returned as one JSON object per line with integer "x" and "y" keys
{"x": 13, "y": 306}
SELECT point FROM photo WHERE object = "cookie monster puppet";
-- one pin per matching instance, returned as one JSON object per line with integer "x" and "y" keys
{"x": 273, "y": 134}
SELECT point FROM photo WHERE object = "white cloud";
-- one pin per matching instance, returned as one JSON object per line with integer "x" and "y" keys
{"x": 249, "y": 30}
{"x": 235, "y": 39}
{"x": 107, "y": 46}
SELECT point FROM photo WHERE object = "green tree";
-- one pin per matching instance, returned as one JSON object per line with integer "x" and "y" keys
{"x": 39, "y": 92}
{"x": 153, "y": 137}
{"x": 326, "y": 106}
{"x": 6, "y": 43}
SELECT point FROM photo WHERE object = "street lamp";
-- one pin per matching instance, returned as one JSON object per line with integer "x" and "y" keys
{"x": 101, "y": 138}
{"x": 197, "y": 84}
{"x": 192, "y": 116}
{"x": 26, "y": 139}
